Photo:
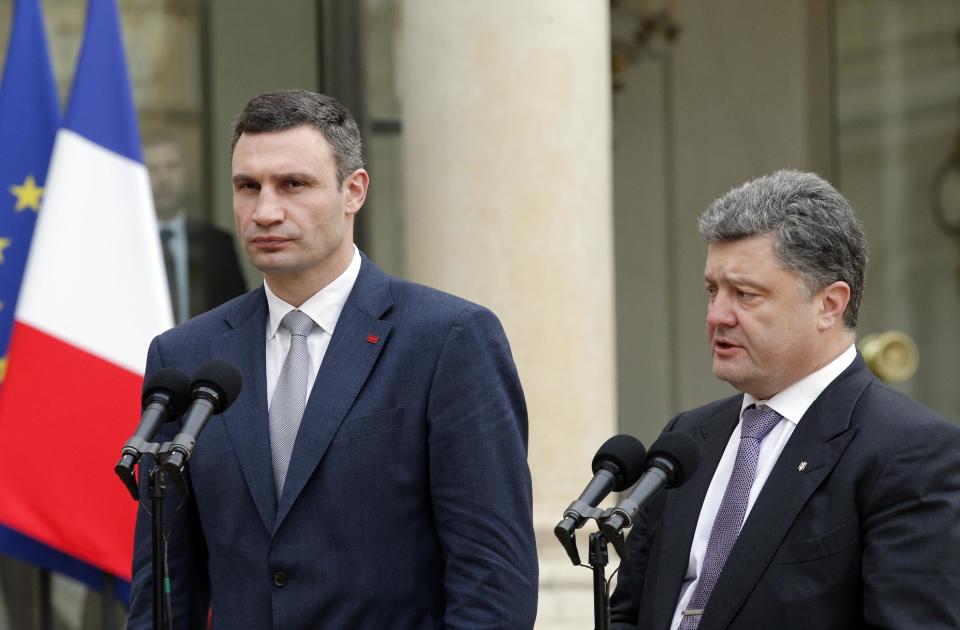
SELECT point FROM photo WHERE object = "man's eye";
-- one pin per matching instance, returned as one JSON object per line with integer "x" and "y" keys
{"x": 293, "y": 183}
{"x": 711, "y": 291}
{"x": 746, "y": 295}
{"x": 246, "y": 186}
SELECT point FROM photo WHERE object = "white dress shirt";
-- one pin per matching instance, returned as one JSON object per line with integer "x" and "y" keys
{"x": 791, "y": 403}
{"x": 324, "y": 309}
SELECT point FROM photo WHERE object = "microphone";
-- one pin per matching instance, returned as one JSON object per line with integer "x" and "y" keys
{"x": 213, "y": 390}
{"x": 672, "y": 460}
{"x": 616, "y": 466}
{"x": 165, "y": 398}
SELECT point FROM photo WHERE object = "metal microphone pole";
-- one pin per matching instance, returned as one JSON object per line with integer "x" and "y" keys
{"x": 158, "y": 486}
{"x": 601, "y": 590}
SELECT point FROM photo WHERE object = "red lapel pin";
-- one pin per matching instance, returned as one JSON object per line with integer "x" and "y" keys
{"x": 372, "y": 338}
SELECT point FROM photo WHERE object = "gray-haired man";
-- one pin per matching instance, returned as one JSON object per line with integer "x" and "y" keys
{"x": 824, "y": 499}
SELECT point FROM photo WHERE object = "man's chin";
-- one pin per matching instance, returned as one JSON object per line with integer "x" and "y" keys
{"x": 269, "y": 262}
{"x": 167, "y": 211}
{"x": 726, "y": 371}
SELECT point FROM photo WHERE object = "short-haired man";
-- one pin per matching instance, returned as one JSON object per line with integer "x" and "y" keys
{"x": 372, "y": 472}
{"x": 824, "y": 498}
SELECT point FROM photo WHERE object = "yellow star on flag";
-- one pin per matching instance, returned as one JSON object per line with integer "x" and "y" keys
{"x": 28, "y": 195}
{"x": 3, "y": 369}
{"x": 4, "y": 243}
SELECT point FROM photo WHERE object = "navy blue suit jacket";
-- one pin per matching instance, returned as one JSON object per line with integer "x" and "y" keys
{"x": 408, "y": 499}
{"x": 866, "y": 534}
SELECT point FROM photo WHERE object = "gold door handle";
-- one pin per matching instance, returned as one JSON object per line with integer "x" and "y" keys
{"x": 892, "y": 356}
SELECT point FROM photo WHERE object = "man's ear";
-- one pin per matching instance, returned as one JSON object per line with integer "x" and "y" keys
{"x": 355, "y": 190}
{"x": 833, "y": 300}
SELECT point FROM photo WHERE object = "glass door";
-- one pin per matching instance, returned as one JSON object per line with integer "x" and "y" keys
{"x": 897, "y": 155}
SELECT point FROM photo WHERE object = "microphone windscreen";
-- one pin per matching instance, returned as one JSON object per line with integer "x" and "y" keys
{"x": 173, "y": 382}
{"x": 627, "y": 454}
{"x": 681, "y": 450}
{"x": 222, "y": 376}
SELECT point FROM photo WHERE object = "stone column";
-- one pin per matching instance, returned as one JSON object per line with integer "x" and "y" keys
{"x": 507, "y": 180}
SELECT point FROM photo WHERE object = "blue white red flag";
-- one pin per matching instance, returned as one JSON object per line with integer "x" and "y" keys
{"x": 94, "y": 294}
{"x": 29, "y": 118}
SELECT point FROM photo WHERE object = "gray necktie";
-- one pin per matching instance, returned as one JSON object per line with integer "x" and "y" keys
{"x": 757, "y": 423}
{"x": 290, "y": 395}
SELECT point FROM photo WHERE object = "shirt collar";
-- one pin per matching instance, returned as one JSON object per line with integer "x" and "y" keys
{"x": 794, "y": 401}
{"x": 176, "y": 225}
{"x": 324, "y": 306}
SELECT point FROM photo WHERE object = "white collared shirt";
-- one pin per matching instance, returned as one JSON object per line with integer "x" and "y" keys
{"x": 791, "y": 403}
{"x": 324, "y": 308}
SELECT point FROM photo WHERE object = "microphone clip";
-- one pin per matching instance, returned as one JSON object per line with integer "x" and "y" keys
{"x": 126, "y": 468}
{"x": 133, "y": 450}
{"x": 613, "y": 534}
{"x": 575, "y": 516}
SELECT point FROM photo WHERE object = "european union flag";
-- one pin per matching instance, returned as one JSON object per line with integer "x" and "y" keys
{"x": 29, "y": 117}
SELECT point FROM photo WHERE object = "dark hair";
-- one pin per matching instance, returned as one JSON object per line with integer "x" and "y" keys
{"x": 278, "y": 111}
{"x": 816, "y": 233}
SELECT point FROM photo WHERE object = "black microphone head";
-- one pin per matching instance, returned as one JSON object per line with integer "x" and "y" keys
{"x": 626, "y": 454}
{"x": 221, "y": 376}
{"x": 681, "y": 451}
{"x": 172, "y": 382}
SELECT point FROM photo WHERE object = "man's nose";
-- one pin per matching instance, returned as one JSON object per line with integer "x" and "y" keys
{"x": 720, "y": 311}
{"x": 268, "y": 210}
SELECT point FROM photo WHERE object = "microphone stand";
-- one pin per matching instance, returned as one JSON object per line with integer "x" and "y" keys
{"x": 598, "y": 557}
{"x": 158, "y": 486}
{"x": 601, "y": 590}
{"x": 157, "y": 489}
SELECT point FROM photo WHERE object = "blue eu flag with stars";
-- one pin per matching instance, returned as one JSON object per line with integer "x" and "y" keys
{"x": 29, "y": 117}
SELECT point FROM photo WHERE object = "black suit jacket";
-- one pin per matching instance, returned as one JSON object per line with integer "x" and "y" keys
{"x": 213, "y": 268}
{"x": 408, "y": 502}
{"x": 866, "y": 534}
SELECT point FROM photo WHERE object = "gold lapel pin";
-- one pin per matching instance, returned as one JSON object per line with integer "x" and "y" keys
{"x": 802, "y": 466}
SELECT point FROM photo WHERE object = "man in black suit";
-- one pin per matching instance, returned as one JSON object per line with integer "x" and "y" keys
{"x": 372, "y": 472}
{"x": 202, "y": 266}
{"x": 824, "y": 499}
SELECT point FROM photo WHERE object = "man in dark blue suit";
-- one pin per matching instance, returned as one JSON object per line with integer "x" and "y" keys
{"x": 372, "y": 472}
{"x": 824, "y": 499}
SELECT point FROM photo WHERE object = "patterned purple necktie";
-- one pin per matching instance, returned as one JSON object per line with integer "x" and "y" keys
{"x": 757, "y": 422}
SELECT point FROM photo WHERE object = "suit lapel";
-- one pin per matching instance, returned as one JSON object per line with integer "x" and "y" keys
{"x": 819, "y": 440}
{"x": 354, "y": 348}
{"x": 682, "y": 510}
{"x": 246, "y": 421}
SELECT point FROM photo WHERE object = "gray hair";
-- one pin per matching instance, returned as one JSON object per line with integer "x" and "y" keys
{"x": 278, "y": 111}
{"x": 816, "y": 233}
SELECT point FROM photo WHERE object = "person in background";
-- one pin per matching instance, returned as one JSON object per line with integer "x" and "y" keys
{"x": 202, "y": 266}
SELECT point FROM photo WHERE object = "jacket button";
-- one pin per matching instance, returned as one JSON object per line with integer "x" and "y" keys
{"x": 279, "y": 578}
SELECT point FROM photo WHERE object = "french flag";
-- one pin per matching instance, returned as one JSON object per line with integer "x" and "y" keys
{"x": 94, "y": 294}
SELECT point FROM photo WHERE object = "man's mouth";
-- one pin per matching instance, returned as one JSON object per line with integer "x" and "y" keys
{"x": 269, "y": 242}
{"x": 723, "y": 347}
